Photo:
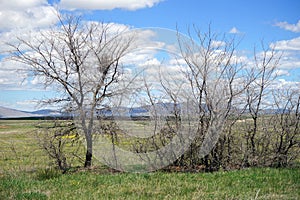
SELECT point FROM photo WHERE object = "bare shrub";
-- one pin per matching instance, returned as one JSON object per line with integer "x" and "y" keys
{"x": 60, "y": 141}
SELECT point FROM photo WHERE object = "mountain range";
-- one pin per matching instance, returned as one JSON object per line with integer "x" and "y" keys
{"x": 6, "y": 113}
{"x": 135, "y": 112}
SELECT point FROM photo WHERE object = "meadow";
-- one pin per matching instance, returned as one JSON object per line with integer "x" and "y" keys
{"x": 26, "y": 172}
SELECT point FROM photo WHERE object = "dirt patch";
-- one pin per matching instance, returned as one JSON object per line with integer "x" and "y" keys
{"x": 1, "y": 126}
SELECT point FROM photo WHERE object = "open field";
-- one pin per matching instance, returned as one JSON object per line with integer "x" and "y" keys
{"x": 25, "y": 174}
{"x": 262, "y": 183}
{"x": 19, "y": 150}
{"x": 19, "y": 147}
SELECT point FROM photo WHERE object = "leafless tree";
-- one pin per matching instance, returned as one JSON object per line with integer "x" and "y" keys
{"x": 54, "y": 137}
{"x": 285, "y": 126}
{"x": 228, "y": 97}
{"x": 82, "y": 60}
{"x": 215, "y": 80}
{"x": 263, "y": 70}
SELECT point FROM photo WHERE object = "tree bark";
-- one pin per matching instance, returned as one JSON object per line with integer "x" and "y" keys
{"x": 88, "y": 159}
{"x": 89, "y": 152}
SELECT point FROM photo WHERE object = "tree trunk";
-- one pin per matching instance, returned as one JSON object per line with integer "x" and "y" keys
{"x": 88, "y": 159}
{"x": 89, "y": 152}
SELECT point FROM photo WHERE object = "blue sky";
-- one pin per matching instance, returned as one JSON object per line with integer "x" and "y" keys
{"x": 256, "y": 19}
{"x": 274, "y": 21}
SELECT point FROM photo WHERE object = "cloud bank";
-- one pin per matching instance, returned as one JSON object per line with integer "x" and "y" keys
{"x": 107, "y": 4}
{"x": 292, "y": 44}
{"x": 15, "y": 14}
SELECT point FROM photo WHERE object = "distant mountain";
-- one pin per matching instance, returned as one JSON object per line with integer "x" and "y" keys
{"x": 134, "y": 112}
{"x": 46, "y": 112}
{"x": 13, "y": 113}
{"x": 138, "y": 112}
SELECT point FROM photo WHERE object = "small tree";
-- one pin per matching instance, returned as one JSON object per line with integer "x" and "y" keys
{"x": 285, "y": 126}
{"x": 265, "y": 64}
{"x": 215, "y": 80}
{"x": 82, "y": 60}
{"x": 55, "y": 138}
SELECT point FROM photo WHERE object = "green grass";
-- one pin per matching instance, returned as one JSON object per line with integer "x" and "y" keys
{"x": 262, "y": 183}
{"x": 19, "y": 148}
{"x": 16, "y": 125}
{"x": 25, "y": 174}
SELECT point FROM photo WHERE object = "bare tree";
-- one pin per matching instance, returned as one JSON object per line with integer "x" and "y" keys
{"x": 54, "y": 138}
{"x": 82, "y": 60}
{"x": 263, "y": 70}
{"x": 215, "y": 81}
{"x": 285, "y": 126}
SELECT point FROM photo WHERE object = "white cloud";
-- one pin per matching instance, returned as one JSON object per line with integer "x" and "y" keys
{"x": 150, "y": 63}
{"x": 177, "y": 61}
{"x": 293, "y": 44}
{"x": 281, "y": 72}
{"x": 107, "y": 4}
{"x": 11, "y": 75}
{"x": 144, "y": 49}
{"x": 217, "y": 43}
{"x": 16, "y": 76}
{"x": 28, "y": 103}
{"x": 282, "y": 83}
{"x": 16, "y": 14}
{"x": 290, "y": 58}
{"x": 17, "y": 4}
{"x": 290, "y": 27}
{"x": 32, "y": 105}
{"x": 234, "y": 30}
{"x": 292, "y": 64}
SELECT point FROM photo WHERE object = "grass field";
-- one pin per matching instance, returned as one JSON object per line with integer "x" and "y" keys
{"x": 25, "y": 174}
{"x": 19, "y": 150}
{"x": 262, "y": 183}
